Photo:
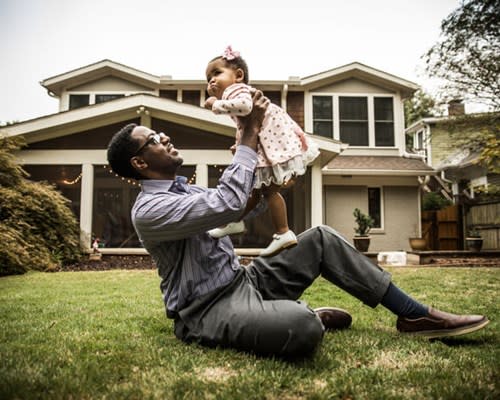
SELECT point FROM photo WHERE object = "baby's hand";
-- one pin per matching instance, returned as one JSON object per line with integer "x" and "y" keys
{"x": 210, "y": 102}
{"x": 233, "y": 149}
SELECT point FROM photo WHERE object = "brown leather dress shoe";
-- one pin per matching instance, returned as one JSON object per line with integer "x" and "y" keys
{"x": 441, "y": 324}
{"x": 334, "y": 318}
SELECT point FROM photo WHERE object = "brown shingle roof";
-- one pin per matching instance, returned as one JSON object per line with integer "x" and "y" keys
{"x": 383, "y": 163}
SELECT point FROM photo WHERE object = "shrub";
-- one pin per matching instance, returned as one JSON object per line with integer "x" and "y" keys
{"x": 364, "y": 222}
{"x": 37, "y": 228}
{"x": 434, "y": 201}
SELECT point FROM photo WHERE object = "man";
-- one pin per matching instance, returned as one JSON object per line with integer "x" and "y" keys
{"x": 216, "y": 302}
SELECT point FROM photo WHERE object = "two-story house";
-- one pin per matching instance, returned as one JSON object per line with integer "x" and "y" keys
{"x": 353, "y": 110}
{"x": 460, "y": 174}
{"x": 439, "y": 140}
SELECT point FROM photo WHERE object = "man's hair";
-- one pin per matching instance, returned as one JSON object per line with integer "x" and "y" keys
{"x": 236, "y": 63}
{"x": 121, "y": 149}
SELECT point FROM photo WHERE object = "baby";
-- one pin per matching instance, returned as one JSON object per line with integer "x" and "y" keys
{"x": 284, "y": 151}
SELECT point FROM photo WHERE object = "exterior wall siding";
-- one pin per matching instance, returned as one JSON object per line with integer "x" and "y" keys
{"x": 442, "y": 146}
{"x": 295, "y": 107}
{"x": 400, "y": 214}
{"x": 353, "y": 85}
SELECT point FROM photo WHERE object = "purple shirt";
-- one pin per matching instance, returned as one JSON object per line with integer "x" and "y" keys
{"x": 172, "y": 218}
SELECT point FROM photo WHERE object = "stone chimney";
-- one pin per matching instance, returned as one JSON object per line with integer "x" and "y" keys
{"x": 456, "y": 108}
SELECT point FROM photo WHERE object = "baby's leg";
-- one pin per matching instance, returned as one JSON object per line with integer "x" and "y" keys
{"x": 252, "y": 202}
{"x": 283, "y": 237}
{"x": 277, "y": 208}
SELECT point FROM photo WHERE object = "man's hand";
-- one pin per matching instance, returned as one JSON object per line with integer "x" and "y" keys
{"x": 252, "y": 123}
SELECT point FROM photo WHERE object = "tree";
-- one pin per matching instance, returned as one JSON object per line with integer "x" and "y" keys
{"x": 466, "y": 56}
{"x": 479, "y": 133}
{"x": 38, "y": 231}
{"x": 421, "y": 105}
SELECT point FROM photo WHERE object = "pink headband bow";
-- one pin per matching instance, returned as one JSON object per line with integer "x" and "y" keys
{"x": 230, "y": 54}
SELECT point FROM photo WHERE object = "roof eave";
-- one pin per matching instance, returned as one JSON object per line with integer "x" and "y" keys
{"x": 374, "y": 172}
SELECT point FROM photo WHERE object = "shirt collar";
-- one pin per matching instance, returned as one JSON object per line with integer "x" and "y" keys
{"x": 178, "y": 185}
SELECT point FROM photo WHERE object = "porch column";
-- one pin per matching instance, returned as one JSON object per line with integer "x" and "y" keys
{"x": 316, "y": 194}
{"x": 86, "y": 200}
{"x": 202, "y": 175}
{"x": 145, "y": 116}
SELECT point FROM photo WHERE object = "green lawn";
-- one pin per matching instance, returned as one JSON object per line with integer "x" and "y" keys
{"x": 95, "y": 335}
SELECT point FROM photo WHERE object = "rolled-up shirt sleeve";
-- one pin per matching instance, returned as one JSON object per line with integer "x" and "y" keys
{"x": 170, "y": 213}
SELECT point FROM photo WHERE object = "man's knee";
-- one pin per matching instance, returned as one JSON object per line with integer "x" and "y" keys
{"x": 305, "y": 336}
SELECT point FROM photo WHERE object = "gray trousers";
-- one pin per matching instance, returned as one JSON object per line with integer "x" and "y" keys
{"x": 259, "y": 312}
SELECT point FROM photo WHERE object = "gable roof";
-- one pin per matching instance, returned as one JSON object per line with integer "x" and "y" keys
{"x": 363, "y": 72}
{"x": 107, "y": 67}
{"x": 129, "y": 107}
{"x": 96, "y": 71}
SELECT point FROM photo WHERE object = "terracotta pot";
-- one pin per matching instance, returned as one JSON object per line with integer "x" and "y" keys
{"x": 474, "y": 243}
{"x": 418, "y": 243}
{"x": 361, "y": 243}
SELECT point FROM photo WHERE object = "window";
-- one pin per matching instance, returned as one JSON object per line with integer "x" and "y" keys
{"x": 78, "y": 100}
{"x": 418, "y": 142}
{"x": 375, "y": 206}
{"x": 66, "y": 178}
{"x": 384, "y": 121}
{"x": 353, "y": 117}
{"x": 191, "y": 97}
{"x": 323, "y": 116}
{"x": 169, "y": 94}
{"x": 274, "y": 97}
{"x": 355, "y": 120}
{"x": 101, "y": 98}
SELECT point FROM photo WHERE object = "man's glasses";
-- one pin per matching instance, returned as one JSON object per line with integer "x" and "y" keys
{"x": 154, "y": 138}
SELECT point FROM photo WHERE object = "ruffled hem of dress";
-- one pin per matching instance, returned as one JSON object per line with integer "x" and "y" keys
{"x": 282, "y": 172}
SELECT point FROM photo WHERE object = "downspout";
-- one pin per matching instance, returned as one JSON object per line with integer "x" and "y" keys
{"x": 284, "y": 94}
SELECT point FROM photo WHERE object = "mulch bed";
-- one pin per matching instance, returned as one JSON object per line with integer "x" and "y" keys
{"x": 465, "y": 262}
{"x": 120, "y": 262}
{"x": 111, "y": 262}
{"x": 145, "y": 262}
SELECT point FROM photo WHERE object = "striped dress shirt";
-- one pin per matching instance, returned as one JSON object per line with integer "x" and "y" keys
{"x": 171, "y": 219}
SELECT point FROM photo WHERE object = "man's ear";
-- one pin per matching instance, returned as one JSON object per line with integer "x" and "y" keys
{"x": 240, "y": 75}
{"x": 138, "y": 163}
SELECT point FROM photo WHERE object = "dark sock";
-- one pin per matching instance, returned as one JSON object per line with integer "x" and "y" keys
{"x": 403, "y": 305}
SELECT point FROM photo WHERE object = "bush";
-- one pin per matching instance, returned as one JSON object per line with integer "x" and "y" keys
{"x": 363, "y": 221}
{"x": 434, "y": 201}
{"x": 38, "y": 231}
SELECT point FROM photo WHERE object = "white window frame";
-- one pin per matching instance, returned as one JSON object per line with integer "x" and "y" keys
{"x": 64, "y": 104}
{"x": 380, "y": 229}
{"x": 371, "y": 116}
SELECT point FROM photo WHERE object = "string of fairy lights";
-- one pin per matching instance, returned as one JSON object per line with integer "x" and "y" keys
{"x": 132, "y": 182}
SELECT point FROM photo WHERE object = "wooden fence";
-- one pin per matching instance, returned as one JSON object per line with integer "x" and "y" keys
{"x": 486, "y": 219}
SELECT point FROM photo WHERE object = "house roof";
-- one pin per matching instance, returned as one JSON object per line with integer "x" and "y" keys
{"x": 129, "y": 107}
{"x": 376, "y": 165}
{"x": 107, "y": 67}
{"x": 462, "y": 158}
{"x": 363, "y": 72}
{"x": 435, "y": 120}
{"x": 96, "y": 71}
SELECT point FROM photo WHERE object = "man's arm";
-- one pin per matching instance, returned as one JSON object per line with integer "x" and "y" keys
{"x": 171, "y": 216}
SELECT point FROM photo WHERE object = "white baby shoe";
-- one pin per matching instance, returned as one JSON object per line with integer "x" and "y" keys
{"x": 230, "y": 229}
{"x": 280, "y": 242}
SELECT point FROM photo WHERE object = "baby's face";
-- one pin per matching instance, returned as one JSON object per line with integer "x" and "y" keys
{"x": 219, "y": 77}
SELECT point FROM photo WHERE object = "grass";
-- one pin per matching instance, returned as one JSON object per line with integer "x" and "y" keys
{"x": 96, "y": 335}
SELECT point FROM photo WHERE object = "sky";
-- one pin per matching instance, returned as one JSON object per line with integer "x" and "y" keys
{"x": 278, "y": 39}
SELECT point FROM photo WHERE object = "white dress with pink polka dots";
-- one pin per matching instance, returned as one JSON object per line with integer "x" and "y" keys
{"x": 284, "y": 150}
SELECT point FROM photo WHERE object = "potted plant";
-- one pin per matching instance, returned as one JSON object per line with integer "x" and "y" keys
{"x": 364, "y": 224}
{"x": 417, "y": 242}
{"x": 473, "y": 240}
